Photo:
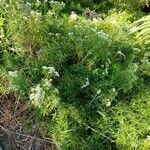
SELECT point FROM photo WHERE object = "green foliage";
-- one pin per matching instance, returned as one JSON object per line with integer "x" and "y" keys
{"x": 142, "y": 28}
{"x": 76, "y": 72}
{"x": 134, "y": 122}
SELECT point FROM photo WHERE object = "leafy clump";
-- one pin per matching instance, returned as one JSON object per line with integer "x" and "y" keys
{"x": 76, "y": 71}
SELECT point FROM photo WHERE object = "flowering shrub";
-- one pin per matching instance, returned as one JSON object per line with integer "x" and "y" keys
{"x": 72, "y": 69}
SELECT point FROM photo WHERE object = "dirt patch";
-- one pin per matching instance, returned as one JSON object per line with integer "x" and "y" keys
{"x": 13, "y": 135}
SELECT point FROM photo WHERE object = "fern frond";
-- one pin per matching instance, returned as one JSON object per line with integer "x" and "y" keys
{"x": 142, "y": 29}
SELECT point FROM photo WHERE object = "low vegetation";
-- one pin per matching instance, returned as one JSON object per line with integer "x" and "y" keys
{"x": 82, "y": 73}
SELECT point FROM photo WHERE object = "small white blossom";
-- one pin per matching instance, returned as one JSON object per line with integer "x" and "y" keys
{"x": 44, "y": 67}
{"x": 98, "y": 92}
{"x": 113, "y": 89}
{"x": 103, "y": 35}
{"x": 148, "y": 137}
{"x": 51, "y": 34}
{"x": 105, "y": 72}
{"x": 73, "y": 16}
{"x": 57, "y": 34}
{"x": 108, "y": 103}
{"x": 52, "y": 2}
{"x": 37, "y": 95}
{"x": 51, "y": 70}
{"x": 47, "y": 83}
{"x": 95, "y": 71}
{"x": 56, "y": 91}
{"x": 50, "y": 13}
{"x": 12, "y": 73}
{"x": 87, "y": 83}
{"x": 95, "y": 20}
{"x": 70, "y": 33}
{"x": 77, "y": 26}
{"x": 35, "y": 13}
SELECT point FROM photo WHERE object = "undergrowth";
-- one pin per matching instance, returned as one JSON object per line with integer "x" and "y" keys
{"x": 85, "y": 76}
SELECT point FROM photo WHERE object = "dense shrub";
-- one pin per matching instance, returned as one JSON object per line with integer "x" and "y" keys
{"x": 72, "y": 70}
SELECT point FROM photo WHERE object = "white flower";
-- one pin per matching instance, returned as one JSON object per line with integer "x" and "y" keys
{"x": 35, "y": 13}
{"x": 148, "y": 137}
{"x": 113, "y": 89}
{"x": 44, "y": 67}
{"x": 51, "y": 34}
{"x": 95, "y": 20}
{"x": 103, "y": 35}
{"x": 12, "y": 73}
{"x": 70, "y": 33}
{"x": 108, "y": 103}
{"x": 73, "y": 16}
{"x": 87, "y": 83}
{"x": 57, "y": 34}
{"x": 57, "y": 3}
{"x": 50, "y": 13}
{"x": 95, "y": 71}
{"x": 56, "y": 91}
{"x": 47, "y": 83}
{"x": 51, "y": 70}
{"x": 99, "y": 91}
{"x": 37, "y": 95}
{"x": 77, "y": 26}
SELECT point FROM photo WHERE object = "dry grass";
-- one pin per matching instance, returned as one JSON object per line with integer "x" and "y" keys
{"x": 13, "y": 135}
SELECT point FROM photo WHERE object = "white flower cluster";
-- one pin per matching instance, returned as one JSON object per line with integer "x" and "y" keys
{"x": 95, "y": 71}
{"x": 57, "y": 4}
{"x": 77, "y": 26}
{"x": 103, "y": 35}
{"x": 35, "y": 13}
{"x": 15, "y": 49}
{"x": 108, "y": 103}
{"x": 148, "y": 137}
{"x": 98, "y": 91}
{"x": 70, "y": 33}
{"x": 87, "y": 83}
{"x": 51, "y": 70}
{"x": 37, "y": 95}
{"x": 38, "y": 3}
{"x": 47, "y": 83}
{"x": 73, "y": 16}
{"x": 12, "y": 73}
{"x": 54, "y": 34}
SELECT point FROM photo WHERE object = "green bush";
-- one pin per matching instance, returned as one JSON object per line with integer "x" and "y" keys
{"x": 74, "y": 71}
